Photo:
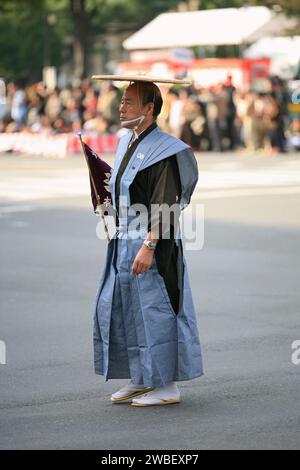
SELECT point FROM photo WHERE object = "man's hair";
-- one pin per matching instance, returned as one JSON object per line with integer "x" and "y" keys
{"x": 150, "y": 93}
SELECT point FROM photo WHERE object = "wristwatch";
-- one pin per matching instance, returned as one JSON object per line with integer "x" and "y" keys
{"x": 150, "y": 244}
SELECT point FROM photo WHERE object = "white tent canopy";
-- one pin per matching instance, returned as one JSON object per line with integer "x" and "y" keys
{"x": 272, "y": 47}
{"x": 206, "y": 27}
{"x": 284, "y": 52}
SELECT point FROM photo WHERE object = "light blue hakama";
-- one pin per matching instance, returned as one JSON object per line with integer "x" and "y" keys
{"x": 137, "y": 334}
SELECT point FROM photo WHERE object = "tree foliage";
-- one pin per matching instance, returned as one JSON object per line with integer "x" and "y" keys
{"x": 22, "y": 40}
{"x": 290, "y": 7}
{"x": 34, "y": 33}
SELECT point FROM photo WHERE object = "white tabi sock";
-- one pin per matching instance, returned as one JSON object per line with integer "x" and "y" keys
{"x": 165, "y": 392}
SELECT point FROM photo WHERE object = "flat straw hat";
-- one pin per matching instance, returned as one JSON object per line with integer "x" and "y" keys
{"x": 140, "y": 77}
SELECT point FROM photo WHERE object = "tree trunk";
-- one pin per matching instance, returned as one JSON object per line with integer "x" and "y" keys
{"x": 81, "y": 26}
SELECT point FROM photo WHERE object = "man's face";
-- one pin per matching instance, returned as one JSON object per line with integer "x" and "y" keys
{"x": 131, "y": 107}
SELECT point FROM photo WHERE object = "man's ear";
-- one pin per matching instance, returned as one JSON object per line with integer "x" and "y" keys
{"x": 150, "y": 109}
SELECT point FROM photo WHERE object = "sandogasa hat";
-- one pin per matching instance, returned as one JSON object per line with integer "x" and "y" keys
{"x": 141, "y": 77}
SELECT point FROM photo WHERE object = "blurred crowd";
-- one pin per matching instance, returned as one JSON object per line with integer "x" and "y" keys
{"x": 218, "y": 118}
{"x": 224, "y": 118}
{"x": 38, "y": 110}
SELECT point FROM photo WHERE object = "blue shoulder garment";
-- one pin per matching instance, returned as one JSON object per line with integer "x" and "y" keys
{"x": 155, "y": 147}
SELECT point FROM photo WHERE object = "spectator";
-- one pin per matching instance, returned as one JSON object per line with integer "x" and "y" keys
{"x": 273, "y": 123}
{"x": 260, "y": 131}
{"x": 95, "y": 123}
{"x": 228, "y": 91}
{"x": 194, "y": 126}
{"x": 108, "y": 104}
{"x": 18, "y": 105}
{"x": 53, "y": 105}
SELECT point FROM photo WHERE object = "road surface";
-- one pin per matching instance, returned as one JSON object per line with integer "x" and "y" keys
{"x": 245, "y": 281}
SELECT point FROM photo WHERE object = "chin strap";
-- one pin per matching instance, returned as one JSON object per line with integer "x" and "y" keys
{"x": 134, "y": 136}
{"x": 139, "y": 120}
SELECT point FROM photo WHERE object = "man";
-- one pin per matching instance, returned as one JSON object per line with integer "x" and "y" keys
{"x": 228, "y": 93}
{"x": 145, "y": 327}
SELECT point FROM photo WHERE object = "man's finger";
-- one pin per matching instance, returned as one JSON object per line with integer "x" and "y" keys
{"x": 144, "y": 268}
{"x": 135, "y": 267}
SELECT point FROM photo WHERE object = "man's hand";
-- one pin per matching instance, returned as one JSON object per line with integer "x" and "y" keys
{"x": 143, "y": 260}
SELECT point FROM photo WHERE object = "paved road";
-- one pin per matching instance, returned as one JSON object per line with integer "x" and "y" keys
{"x": 246, "y": 290}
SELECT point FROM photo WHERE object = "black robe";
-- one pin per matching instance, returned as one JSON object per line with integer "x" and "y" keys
{"x": 157, "y": 184}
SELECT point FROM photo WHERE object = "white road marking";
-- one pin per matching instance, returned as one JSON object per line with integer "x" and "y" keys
{"x": 199, "y": 195}
{"x": 4, "y": 210}
{"x": 30, "y": 188}
{"x": 229, "y": 179}
{"x": 18, "y": 224}
{"x": 221, "y": 179}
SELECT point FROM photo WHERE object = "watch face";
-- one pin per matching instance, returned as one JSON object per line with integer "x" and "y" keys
{"x": 150, "y": 244}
